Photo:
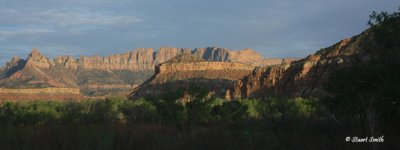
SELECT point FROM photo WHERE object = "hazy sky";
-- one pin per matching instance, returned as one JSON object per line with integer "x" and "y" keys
{"x": 275, "y": 28}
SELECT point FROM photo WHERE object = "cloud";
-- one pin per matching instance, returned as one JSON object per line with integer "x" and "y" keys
{"x": 64, "y": 18}
{"x": 274, "y": 28}
{"x": 84, "y": 17}
{"x": 22, "y": 32}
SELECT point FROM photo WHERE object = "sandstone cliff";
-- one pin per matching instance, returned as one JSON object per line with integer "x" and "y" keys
{"x": 247, "y": 55}
{"x": 93, "y": 75}
{"x": 67, "y": 62}
{"x": 138, "y": 60}
{"x": 36, "y": 59}
{"x": 304, "y": 77}
{"x": 279, "y": 77}
{"x": 166, "y": 53}
{"x": 185, "y": 70}
{"x": 119, "y": 73}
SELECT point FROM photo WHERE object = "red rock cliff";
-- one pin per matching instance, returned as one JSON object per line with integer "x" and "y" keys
{"x": 99, "y": 75}
{"x": 184, "y": 70}
{"x": 139, "y": 59}
{"x": 304, "y": 77}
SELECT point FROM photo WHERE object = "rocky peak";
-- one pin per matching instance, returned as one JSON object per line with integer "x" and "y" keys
{"x": 35, "y": 53}
{"x": 15, "y": 59}
{"x": 38, "y": 60}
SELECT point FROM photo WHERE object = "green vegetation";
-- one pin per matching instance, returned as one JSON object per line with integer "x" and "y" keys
{"x": 177, "y": 120}
{"x": 184, "y": 119}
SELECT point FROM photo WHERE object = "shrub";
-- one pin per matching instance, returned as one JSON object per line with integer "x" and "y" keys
{"x": 139, "y": 111}
{"x": 231, "y": 111}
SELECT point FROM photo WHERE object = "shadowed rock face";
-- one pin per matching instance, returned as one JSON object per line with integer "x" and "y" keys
{"x": 11, "y": 67}
{"x": 166, "y": 53}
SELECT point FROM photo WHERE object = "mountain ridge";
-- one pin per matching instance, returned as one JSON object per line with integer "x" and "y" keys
{"x": 298, "y": 78}
{"x": 105, "y": 75}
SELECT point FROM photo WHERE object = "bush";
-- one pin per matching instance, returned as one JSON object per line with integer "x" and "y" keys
{"x": 231, "y": 111}
{"x": 139, "y": 111}
{"x": 29, "y": 113}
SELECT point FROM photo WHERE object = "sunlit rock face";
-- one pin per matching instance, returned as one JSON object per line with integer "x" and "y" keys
{"x": 245, "y": 74}
{"x": 184, "y": 71}
{"x": 92, "y": 75}
{"x": 41, "y": 94}
{"x": 304, "y": 77}
{"x": 166, "y": 53}
{"x": 138, "y": 60}
{"x": 247, "y": 55}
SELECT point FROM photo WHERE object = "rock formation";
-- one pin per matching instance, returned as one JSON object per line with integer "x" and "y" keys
{"x": 280, "y": 77}
{"x": 186, "y": 70}
{"x": 244, "y": 56}
{"x": 92, "y": 75}
{"x": 119, "y": 73}
{"x": 166, "y": 53}
{"x": 304, "y": 77}
{"x": 41, "y": 94}
{"x": 139, "y": 60}
{"x": 36, "y": 59}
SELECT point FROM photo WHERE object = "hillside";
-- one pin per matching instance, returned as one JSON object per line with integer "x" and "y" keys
{"x": 186, "y": 70}
{"x": 109, "y": 75}
{"x": 304, "y": 77}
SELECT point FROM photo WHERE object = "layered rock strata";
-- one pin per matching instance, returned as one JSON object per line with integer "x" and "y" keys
{"x": 280, "y": 78}
{"x": 307, "y": 76}
{"x": 40, "y": 94}
{"x": 182, "y": 73}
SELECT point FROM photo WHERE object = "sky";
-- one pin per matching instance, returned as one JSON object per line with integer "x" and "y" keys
{"x": 274, "y": 28}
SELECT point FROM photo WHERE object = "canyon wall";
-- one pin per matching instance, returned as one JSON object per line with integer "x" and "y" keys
{"x": 183, "y": 72}
{"x": 307, "y": 76}
{"x": 138, "y": 60}
{"x": 144, "y": 59}
{"x": 40, "y": 94}
{"x": 119, "y": 73}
